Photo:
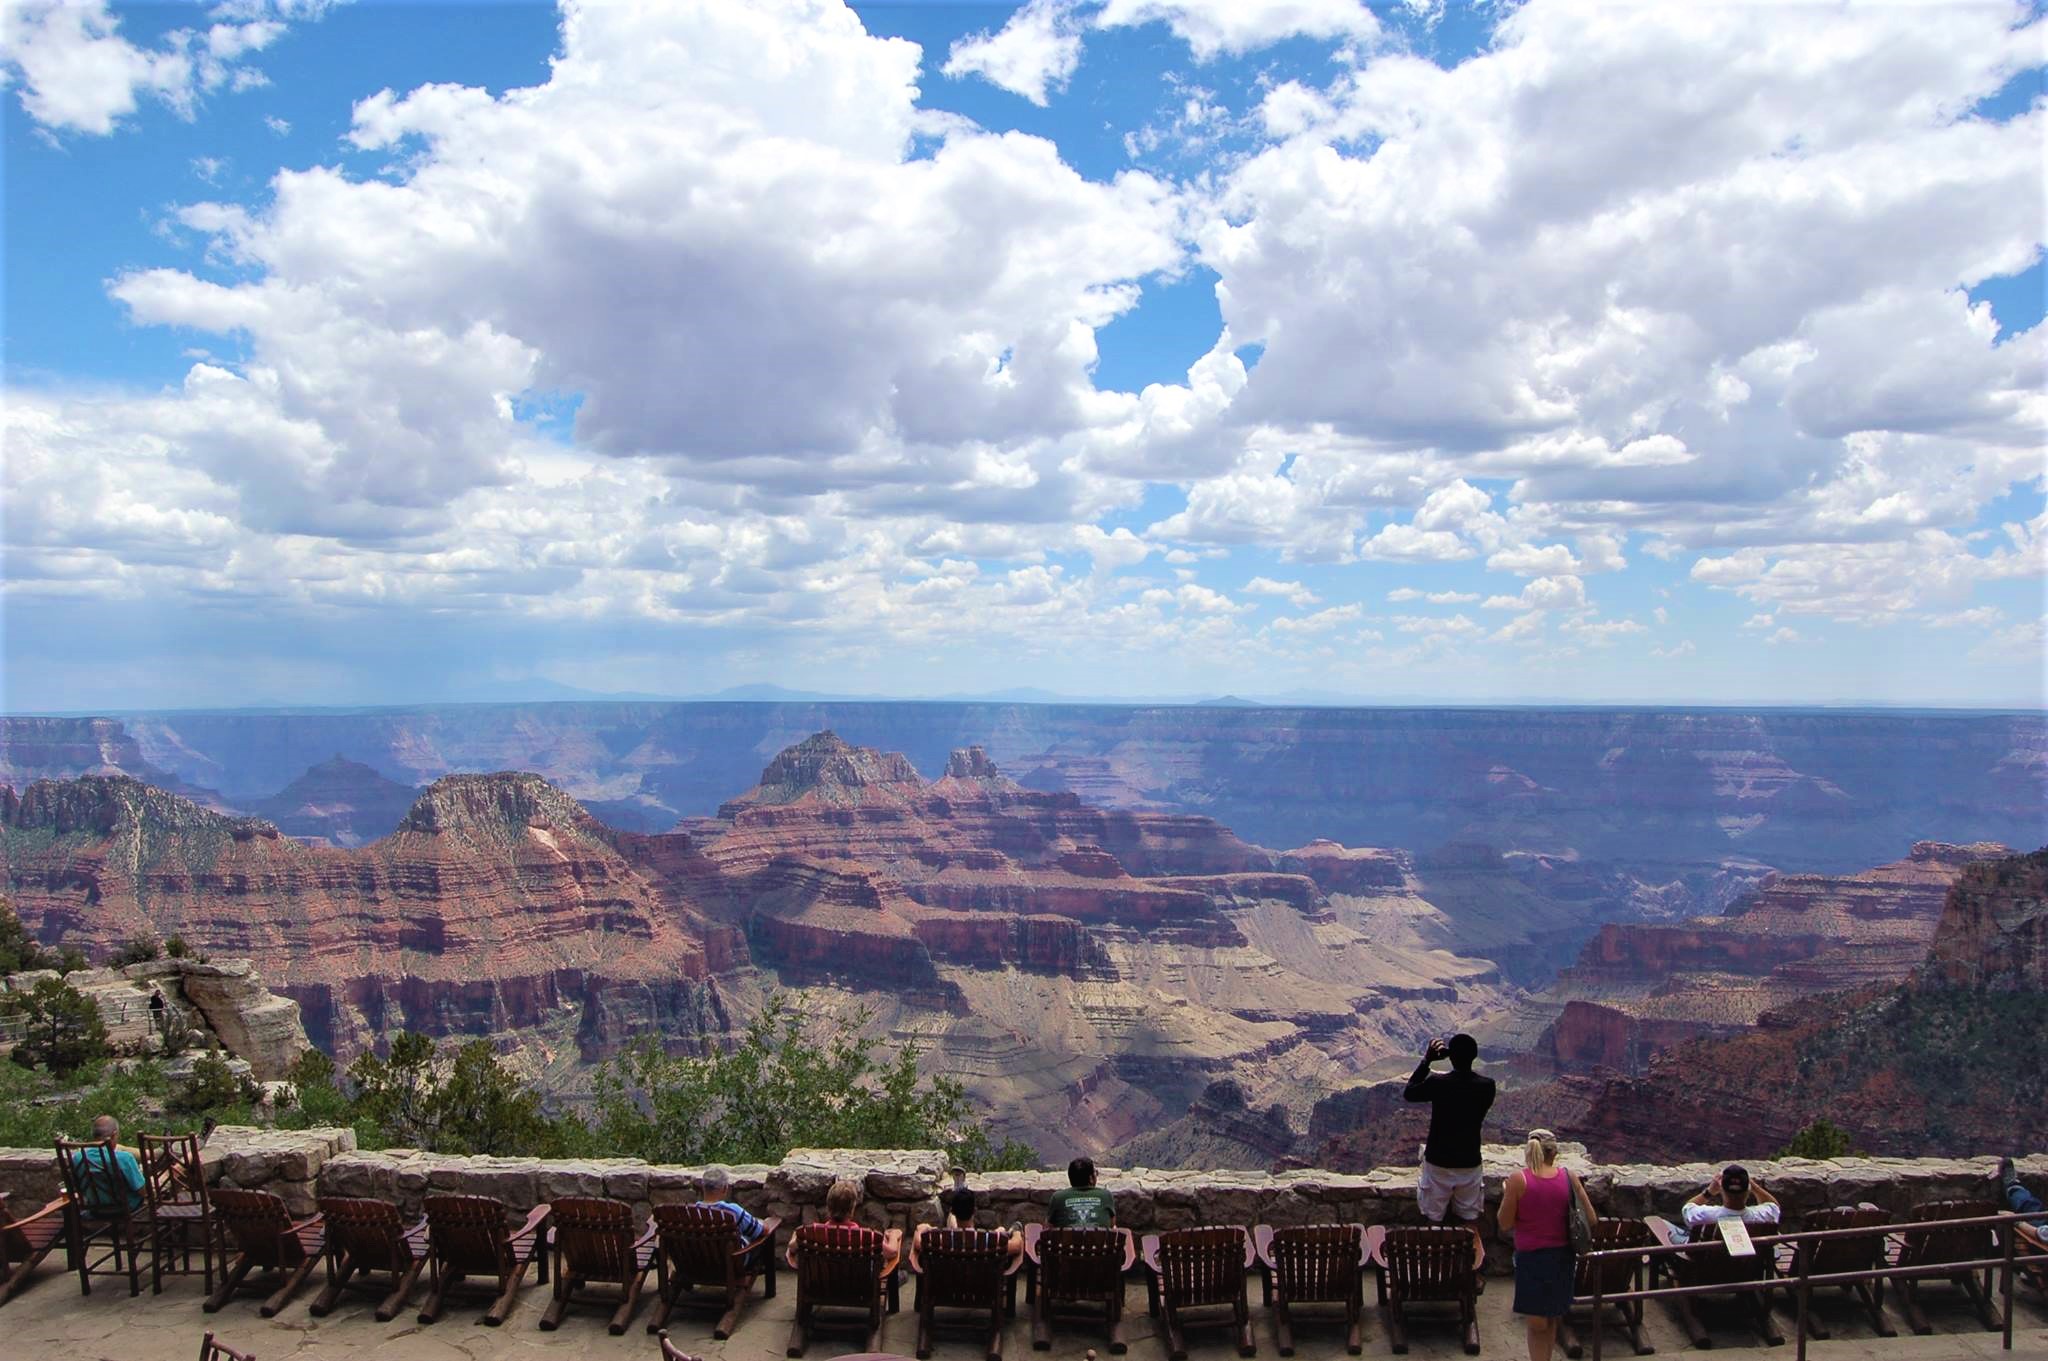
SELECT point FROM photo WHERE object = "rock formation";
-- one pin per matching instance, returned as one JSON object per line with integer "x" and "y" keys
{"x": 498, "y": 905}
{"x": 1941, "y": 1063}
{"x": 1640, "y": 988}
{"x": 340, "y": 801}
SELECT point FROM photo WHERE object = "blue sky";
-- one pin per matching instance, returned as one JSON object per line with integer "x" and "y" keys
{"x": 369, "y": 353}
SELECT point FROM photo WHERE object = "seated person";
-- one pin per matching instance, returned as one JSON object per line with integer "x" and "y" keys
{"x": 716, "y": 1194}
{"x": 126, "y": 1170}
{"x": 840, "y": 1203}
{"x": 958, "y": 1203}
{"x": 2021, "y": 1201}
{"x": 1082, "y": 1205}
{"x": 1730, "y": 1195}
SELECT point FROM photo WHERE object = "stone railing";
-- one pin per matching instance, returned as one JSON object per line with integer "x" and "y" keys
{"x": 901, "y": 1187}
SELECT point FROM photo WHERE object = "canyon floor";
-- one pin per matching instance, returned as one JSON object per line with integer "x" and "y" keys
{"x": 51, "y": 1321}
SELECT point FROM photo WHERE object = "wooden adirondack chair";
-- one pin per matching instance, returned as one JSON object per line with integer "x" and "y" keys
{"x": 1439, "y": 1264}
{"x": 1075, "y": 1270}
{"x": 700, "y": 1249}
{"x": 1199, "y": 1269}
{"x": 597, "y": 1243}
{"x": 1831, "y": 1255}
{"x": 212, "y": 1350}
{"x": 1315, "y": 1264}
{"x": 1611, "y": 1276}
{"x": 964, "y": 1269}
{"x": 25, "y": 1242}
{"x": 98, "y": 1210}
{"x": 2031, "y": 1248}
{"x": 671, "y": 1352}
{"x": 1709, "y": 1263}
{"x": 468, "y": 1236}
{"x": 180, "y": 1212}
{"x": 840, "y": 1266}
{"x": 1938, "y": 1244}
{"x": 366, "y": 1237}
{"x": 260, "y": 1232}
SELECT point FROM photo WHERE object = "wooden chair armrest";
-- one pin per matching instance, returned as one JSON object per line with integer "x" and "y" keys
{"x": 1262, "y": 1242}
{"x": 1364, "y": 1245}
{"x": 769, "y": 1228}
{"x": 1251, "y": 1252}
{"x": 1478, "y": 1254}
{"x": 1148, "y": 1248}
{"x": 1031, "y": 1233}
{"x": 55, "y": 1207}
{"x": 535, "y": 1217}
{"x": 1375, "y": 1245}
{"x": 1661, "y": 1230}
{"x": 1130, "y": 1248}
{"x": 911, "y": 1258}
{"x": 646, "y": 1236}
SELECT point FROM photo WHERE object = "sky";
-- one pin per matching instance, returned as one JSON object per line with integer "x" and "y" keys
{"x": 1490, "y": 352}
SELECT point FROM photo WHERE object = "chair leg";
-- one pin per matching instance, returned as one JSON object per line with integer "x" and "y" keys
{"x": 1568, "y": 1336}
{"x": 337, "y": 1281}
{"x": 558, "y": 1305}
{"x": 401, "y": 1293}
{"x": 290, "y": 1287}
{"x": 1469, "y": 1310}
{"x": 1041, "y": 1336}
{"x": 924, "y": 1324}
{"x": 1283, "y": 1327}
{"x": 628, "y": 1306}
{"x": 1695, "y": 1331}
{"x": 1176, "y": 1345}
{"x": 508, "y": 1295}
{"x": 230, "y": 1282}
{"x": 1873, "y": 1304}
{"x": 1354, "y": 1317}
{"x": 796, "y": 1332}
{"x": 1246, "y": 1345}
{"x": 1986, "y": 1314}
{"x": 1397, "y": 1327}
{"x": 1117, "y": 1345}
{"x": 437, "y": 1298}
{"x": 877, "y": 1319}
{"x": 1916, "y": 1317}
{"x": 735, "y": 1301}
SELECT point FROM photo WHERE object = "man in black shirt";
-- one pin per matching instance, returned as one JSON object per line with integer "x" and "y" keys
{"x": 1458, "y": 1102}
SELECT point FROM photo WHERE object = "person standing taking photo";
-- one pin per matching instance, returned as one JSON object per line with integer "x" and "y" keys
{"x": 1535, "y": 1206}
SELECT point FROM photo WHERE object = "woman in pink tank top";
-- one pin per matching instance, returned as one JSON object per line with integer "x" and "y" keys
{"x": 1535, "y": 1204}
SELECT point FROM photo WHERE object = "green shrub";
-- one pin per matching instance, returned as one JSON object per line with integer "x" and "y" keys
{"x": 1821, "y": 1139}
{"x": 212, "y": 1085}
{"x": 783, "y": 1087}
{"x": 19, "y": 951}
{"x": 62, "y": 1030}
{"x": 136, "y": 950}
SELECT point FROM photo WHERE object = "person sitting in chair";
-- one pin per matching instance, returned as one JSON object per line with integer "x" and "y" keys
{"x": 716, "y": 1194}
{"x": 1730, "y": 1195}
{"x": 1081, "y": 1204}
{"x": 840, "y": 1203}
{"x": 127, "y": 1169}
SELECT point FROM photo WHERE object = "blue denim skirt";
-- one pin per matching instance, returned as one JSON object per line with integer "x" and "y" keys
{"x": 1543, "y": 1282}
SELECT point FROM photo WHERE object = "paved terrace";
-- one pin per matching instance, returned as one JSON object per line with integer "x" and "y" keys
{"x": 51, "y": 1320}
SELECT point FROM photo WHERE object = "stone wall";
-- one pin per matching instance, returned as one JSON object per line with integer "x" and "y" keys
{"x": 902, "y": 1186}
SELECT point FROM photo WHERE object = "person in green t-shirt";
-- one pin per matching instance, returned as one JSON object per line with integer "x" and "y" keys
{"x": 1084, "y": 1205}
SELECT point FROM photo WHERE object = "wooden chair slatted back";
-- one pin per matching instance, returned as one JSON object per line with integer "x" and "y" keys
{"x": 594, "y": 1237}
{"x": 700, "y": 1242}
{"x": 1935, "y": 1245}
{"x": 371, "y": 1232}
{"x": 1318, "y": 1261}
{"x": 1710, "y": 1262}
{"x": 963, "y": 1268}
{"x": 1080, "y": 1264}
{"x": 468, "y": 1234}
{"x": 838, "y": 1264}
{"x": 1614, "y": 1273}
{"x": 1201, "y": 1266}
{"x": 1429, "y": 1263}
{"x": 258, "y": 1224}
{"x": 1847, "y": 1254}
{"x": 212, "y": 1350}
{"x": 92, "y": 1182}
{"x": 173, "y": 1171}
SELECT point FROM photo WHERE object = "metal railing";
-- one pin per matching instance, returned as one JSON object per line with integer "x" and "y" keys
{"x": 1801, "y": 1280}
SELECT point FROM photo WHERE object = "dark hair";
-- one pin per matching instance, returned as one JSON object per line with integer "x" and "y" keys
{"x": 840, "y": 1200}
{"x": 1734, "y": 1177}
{"x": 1463, "y": 1050}
{"x": 1081, "y": 1172}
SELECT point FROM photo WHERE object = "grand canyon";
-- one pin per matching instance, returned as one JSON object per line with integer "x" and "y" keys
{"x": 1178, "y": 936}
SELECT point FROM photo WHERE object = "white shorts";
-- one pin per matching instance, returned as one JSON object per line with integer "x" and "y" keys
{"x": 1454, "y": 1188}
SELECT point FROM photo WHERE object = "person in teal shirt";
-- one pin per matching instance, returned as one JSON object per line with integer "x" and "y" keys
{"x": 127, "y": 1170}
{"x": 1083, "y": 1205}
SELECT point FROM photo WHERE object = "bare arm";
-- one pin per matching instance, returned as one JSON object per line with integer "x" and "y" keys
{"x": 1759, "y": 1196}
{"x": 1510, "y": 1201}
